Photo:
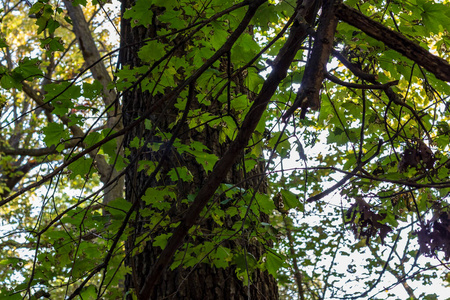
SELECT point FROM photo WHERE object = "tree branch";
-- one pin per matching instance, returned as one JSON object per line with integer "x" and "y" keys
{"x": 353, "y": 68}
{"x": 308, "y": 95}
{"x": 393, "y": 96}
{"x": 346, "y": 177}
{"x": 358, "y": 85}
{"x": 396, "y": 41}
{"x": 400, "y": 277}
{"x": 36, "y": 152}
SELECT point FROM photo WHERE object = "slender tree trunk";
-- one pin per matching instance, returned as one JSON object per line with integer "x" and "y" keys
{"x": 202, "y": 281}
{"x": 99, "y": 72}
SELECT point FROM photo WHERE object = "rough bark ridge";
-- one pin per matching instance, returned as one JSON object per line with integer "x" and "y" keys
{"x": 203, "y": 281}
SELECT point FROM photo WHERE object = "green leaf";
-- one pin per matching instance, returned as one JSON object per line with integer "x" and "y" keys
{"x": 291, "y": 200}
{"x": 27, "y": 69}
{"x": 89, "y": 292}
{"x": 52, "y": 44}
{"x": 161, "y": 240}
{"x": 119, "y": 207}
{"x": 265, "y": 203}
{"x": 390, "y": 219}
{"x": 219, "y": 35}
{"x": 36, "y": 7}
{"x": 435, "y": 16}
{"x": 45, "y": 18}
{"x": 11, "y": 260}
{"x": 140, "y": 13}
{"x": 206, "y": 160}
{"x": 181, "y": 173}
{"x": 250, "y": 163}
{"x": 244, "y": 265}
{"x": 82, "y": 166}
{"x": 93, "y": 138}
{"x": 173, "y": 18}
{"x": 159, "y": 197}
{"x": 254, "y": 81}
{"x": 54, "y": 134}
{"x": 337, "y": 136}
{"x": 197, "y": 149}
{"x": 152, "y": 51}
{"x": 62, "y": 96}
{"x": 274, "y": 262}
{"x": 7, "y": 82}
{"x": 230, "y": 129}
{"x": 52, "y": 25}
{"x": 283, "y": 147}
{"x": 222, "y": 257}
{"x": 239, "y": 103}
{"x": 79, "y": 2}
{"x": 92, "y": 90}
{"x": 110, "y": 146}
{"x": 10, "y": 295}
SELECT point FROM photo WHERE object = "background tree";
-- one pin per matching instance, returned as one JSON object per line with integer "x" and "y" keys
{"x": 204, "y": 91}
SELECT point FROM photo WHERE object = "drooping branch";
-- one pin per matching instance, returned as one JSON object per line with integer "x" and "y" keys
{"x": 396, "y": 41}
{"x": 308, "y": 95}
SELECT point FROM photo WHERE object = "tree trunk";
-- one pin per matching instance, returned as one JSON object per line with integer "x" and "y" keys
{"x": 203, "y": 280}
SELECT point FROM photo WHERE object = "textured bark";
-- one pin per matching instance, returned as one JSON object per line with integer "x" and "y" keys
{"x": 308, "y": 95}
{"x": 396, "y": 41}
{"x": 203, "y": 281}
